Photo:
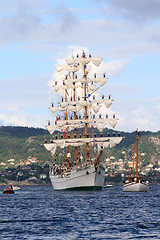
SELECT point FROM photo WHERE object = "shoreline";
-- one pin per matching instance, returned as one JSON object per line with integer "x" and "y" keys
{"x": 26, "y": 183}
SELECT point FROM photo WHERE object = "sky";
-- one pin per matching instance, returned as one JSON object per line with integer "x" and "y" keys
{"x": 36, "y": 35}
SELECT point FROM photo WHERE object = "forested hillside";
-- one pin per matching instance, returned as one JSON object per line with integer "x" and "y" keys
{"x": 23, "y": 142}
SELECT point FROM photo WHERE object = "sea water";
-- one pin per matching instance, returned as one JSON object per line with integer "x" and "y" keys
{"x": 39, "y": 212}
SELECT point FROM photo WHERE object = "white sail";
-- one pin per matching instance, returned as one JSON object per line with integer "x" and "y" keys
{"x": 112, "y": 121}
{"x": 79, "y": 123}
{"x": 64, "y": 104}
{"x": 54, "y": 110}
{"x": 80, "y": 140}
{"x": 101, "y": 145}
{"x": 97, "y": 61}
{"x": 70, "y": 68}
{"x": 73, "y": 103}
{"x": 106, "y": 144}
{"x": 114, "y": 141}
{"x": 84, "y": 61}
{"x": 104, "y": 141}
{"x": 76, "y": 125}
{"x": 76, "y": 144}
{"x": 59, "y": 69}
{"x": 91, "y": 87}
{"x": 100, "y": 126}
{"x": 96, "y": 108}
{"x": 108, "y": 102}
{"x": 57, "y": 88}
{"x": 63, "y": 127}
{"x": 84, "y": 103}
{"x": 69, "y": 83}
{"x": 53, "y": 150}
{"x": 61, "y": 123}
{"x": 102, "y": 81}
{"x": 74, "y": 121}
{"x": 51, "y": 128}
{"x": 49, "y": 146}
{"x": 70, "y": 61}
{"x": 74, "y": 108}
{"x": 61, "y": 109}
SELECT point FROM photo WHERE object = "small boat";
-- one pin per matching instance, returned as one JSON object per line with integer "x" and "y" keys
{"x": 15, "y": 188}
{"x": 108, "y": 185}
{"x": 8, "y": 190}
{"x": 135, "y": 183}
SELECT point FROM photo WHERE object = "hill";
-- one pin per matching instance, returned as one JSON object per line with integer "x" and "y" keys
{"x": 24, "y": 142}
{"x": 18, "y": 145}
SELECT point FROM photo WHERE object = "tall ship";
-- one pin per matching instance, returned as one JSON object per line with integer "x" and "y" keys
{"x": 78, "y": 115}
{"x": 135, "y": 183}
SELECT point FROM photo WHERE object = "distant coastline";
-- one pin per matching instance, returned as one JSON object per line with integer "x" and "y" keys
{"x": 25, "y": 183}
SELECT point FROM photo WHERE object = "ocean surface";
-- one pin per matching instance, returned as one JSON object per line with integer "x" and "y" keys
{"x": 39, "y": 212}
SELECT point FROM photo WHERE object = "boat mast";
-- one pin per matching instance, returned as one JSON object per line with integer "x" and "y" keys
{"x": 86, "y": 113}
{"x": 133, "y": 146}
{"x": 68, "y": 163}
{"x": 75, "y": 130}
{"x": 137, "y": 149}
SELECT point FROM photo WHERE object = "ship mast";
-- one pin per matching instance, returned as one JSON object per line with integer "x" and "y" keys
{"x": 133, "y": 146}
{"x": 86, "y": 112}
{"x": 75, "y": 131}
{"x": 137, "y": 149}
{"x": 68, "y": 162}
{"x": 70, "y": 87}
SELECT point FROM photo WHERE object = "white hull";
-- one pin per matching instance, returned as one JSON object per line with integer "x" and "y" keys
{"x": 135, "y": 187}
{"x": 16, "y": 188}
{"x": 87, "y": 178}
{"x": 108, "y": 186}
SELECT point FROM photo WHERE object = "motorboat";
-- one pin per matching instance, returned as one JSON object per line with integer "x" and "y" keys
{"x": 9, "y": 190}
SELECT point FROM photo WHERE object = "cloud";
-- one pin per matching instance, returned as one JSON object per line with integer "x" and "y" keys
{"x": 11, "y": 7}
{"x": 143, "y": 119}
{"x": 67, "y": 19}
{"x": 14, "y": 118}
{"x": 39, "y": 21}
{"x": 44, "y": 26}
{"x": 137, "y": 11}
{"x": 121, "y": 30}
{"x": 157, "y": 104}
{"x": 137, "y": 113}
{"x": 20, "y": 117}
{"x": 114, "y": 67}
{"x": 24, "y": 101}
{"x": 111, "y": 68}
{"x": 24, "y": 92}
